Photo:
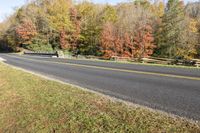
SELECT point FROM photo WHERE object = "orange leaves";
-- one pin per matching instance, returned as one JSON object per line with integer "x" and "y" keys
{"x": 118, "y": 44}
{"x": 130, "y": 45}
{"x": 76, "y": 21}
{"x": 143, "y": 41}
{"x": 71, "y": 42}
{"x": 107, "y": 41}
{"x": 26, "y": 31}
{"x": 63, "y": 42}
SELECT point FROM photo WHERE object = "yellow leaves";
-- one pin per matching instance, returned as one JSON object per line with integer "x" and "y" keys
{"x": 110, "y": 14}
{"x": 187, "y": 54}
{"x": 58, "y": 16}
{"x": 86, "y": 9}
{"x": 158, "y": 9}
{"x": 193, "y": 26}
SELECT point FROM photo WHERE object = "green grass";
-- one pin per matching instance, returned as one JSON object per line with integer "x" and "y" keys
{"x": 29, "y": 103}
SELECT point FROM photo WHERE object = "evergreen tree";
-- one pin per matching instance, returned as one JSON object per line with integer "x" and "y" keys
{"x": 169, "y": 34}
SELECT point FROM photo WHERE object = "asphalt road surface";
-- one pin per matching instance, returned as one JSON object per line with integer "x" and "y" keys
{"x": 173, "y": 90}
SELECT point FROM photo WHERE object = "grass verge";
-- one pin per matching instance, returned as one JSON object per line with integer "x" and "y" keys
{"x": 29, "y": 103}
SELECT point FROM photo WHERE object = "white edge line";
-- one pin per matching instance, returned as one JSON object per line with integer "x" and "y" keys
{"x": 2, "y": 59}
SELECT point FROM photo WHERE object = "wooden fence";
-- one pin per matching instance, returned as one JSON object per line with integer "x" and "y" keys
{"x": 164, "y": 61}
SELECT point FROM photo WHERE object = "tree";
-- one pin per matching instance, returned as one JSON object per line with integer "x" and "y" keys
{"x": 198, "y": 37}
{"x": 25, "y": 32}
{"x": 10, "y": 39}
{"x": 20, "y": 15}
{"x": 158, "y": 8}
{"x": 119, "y": 45}
{"x": 89, "y": 43}
{"x": 129, "y": 49}
{"x": 143, "y": 3}
{"x": 169, "y": 35}
{"x": 144, "y": 42}
{"x": 192, "y": 11}
{"x": 189, "y": 39}
{"x": 59, "y": 19}
{"x": 63, "y": 43}
{"x": 107, "y": 41}
{"x": 109, "y": 14}
{"x": 76, "y": 20}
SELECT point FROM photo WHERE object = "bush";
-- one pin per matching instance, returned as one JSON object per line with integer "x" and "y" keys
{"x": 40, "y": 47}
{"x": 39, "y": 44}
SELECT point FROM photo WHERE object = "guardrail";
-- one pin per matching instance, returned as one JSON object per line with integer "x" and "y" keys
{"x": 49, "y": 54}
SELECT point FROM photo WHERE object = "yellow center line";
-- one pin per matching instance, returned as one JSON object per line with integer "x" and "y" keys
{"x": 117, "y": 69}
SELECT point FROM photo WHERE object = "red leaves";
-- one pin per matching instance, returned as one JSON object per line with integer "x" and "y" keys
{"x": 136, "y": 45}
{"x": 26, "y": 31}
{"x": 107, "y": 41}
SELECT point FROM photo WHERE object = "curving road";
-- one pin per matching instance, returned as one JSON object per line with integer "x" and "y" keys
{"x": 174, "y": 90}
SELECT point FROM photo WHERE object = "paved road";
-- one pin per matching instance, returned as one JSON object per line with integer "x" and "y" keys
{"x": 174, "y": 90}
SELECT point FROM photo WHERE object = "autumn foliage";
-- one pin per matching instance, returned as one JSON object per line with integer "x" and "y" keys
{"x": 108, "y": 41}
{"x": 144, "y": 42}
{"x": 135, "y": 45}
{"x": 135, "y": 29}
{"x": 26, "y": 31}
{"x": 76, "y": 20}
{"x": 63, "y": 42}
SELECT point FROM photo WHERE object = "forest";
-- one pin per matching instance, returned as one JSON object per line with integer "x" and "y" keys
{"x": 134, "y": 29}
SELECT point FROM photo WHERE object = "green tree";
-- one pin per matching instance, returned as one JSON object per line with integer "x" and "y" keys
{"x": 109, "y": 14}
{"x": 90, "y": 28}
{"x": 59, "y": 20}
{"x": 198, "y": 32}
{"x": 169, "y": 33}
